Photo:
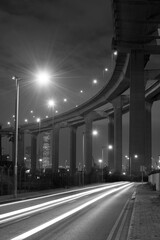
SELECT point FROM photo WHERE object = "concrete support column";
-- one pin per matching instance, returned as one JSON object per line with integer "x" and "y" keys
{"x": 21, "y": 148}
{"x": 73, "y": 149}
{"x": 33, "y": 152}
{"x": 148, "y": 137}
{"x": 117, "y": 104}
{"x": 55, "y": 148}
{"x": 110, "y": 142}
{"x": 88, "y": 144}
{"x": 137, "y": 112}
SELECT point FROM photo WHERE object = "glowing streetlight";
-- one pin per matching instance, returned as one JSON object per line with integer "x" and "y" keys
{"x": 95, "y": 132}
{"x": 110, "y": 147}
{"x": 51, "y": 103}
{"x": 130, "y": 163}
{"x": 16, "y": 133}
{"x": 38, "y": 120}
{"x": 101, "y": 167}
{"x": 115, "y": 53}
{"x": 43, "y": 78}
{"x": 26, "y": 120}
{"x": 95, "y": 81}
{"x": 104, "y": 70}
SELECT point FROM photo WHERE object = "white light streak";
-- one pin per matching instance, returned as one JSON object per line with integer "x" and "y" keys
{"x": 56, "y": 194}
{"x": 49, "y": 204}
{"x": 67, "y": 214}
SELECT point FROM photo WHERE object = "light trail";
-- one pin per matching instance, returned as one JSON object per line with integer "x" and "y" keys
{"x": 52, "y": 195}
{"x": 67, "y": 214}
{"x": 10, "y": 216}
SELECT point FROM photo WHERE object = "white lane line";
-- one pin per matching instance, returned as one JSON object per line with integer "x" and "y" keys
{"x": 55, "y": 194}
{"x": 49, "y": 204}
{"x": 65, "y": 215}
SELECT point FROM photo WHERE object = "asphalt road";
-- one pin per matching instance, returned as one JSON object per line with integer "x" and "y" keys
{"x": 90, "y": 213}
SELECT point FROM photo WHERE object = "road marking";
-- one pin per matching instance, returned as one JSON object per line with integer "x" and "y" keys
{"x": 67, "y": 214}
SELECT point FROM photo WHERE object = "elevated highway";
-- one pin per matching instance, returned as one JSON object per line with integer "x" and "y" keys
{"x": 136, "y": 38}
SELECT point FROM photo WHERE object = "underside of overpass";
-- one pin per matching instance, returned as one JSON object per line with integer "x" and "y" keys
{"x": 136, "y": 38}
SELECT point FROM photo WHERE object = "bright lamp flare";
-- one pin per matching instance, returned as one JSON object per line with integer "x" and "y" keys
{"x": 43, "y": 78}
{"x": 95, "y": 81}
{"x": 51, "y": 103}
{"x": 95, "y": 132}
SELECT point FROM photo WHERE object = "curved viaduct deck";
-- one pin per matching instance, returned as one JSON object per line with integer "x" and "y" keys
{"x": 136, "y": 38}
{"x": 131, "y": 31}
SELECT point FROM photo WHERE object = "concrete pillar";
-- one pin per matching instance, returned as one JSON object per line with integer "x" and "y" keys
{"x": 21, "y": 149}
{"x": 73, "y": 149}
{"x": 148, "y": 137}
{"x": 110, "y": 142}
{"x": 55, "y": 148}
{"x": 117, "y": 104}
{"x": 88, "y": 144}
{"x": 33, "y": 152}
{"x": 137, "y": 111}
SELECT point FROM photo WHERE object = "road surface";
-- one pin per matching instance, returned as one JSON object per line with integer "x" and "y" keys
{"x": 89, "y": 213}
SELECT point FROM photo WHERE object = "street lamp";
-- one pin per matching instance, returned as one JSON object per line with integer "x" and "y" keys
{"x": 104, "y": 70}
{"x": 101, "y": 167}
{"x": 94, "y": 133}
{"x": 43, "y": 78}
{"x": 51, "y": 105}
{"x": 16, "y": 133}
{"x": 110, "y": 147}
{"x": 94, "y": 81}
{"x": 130, "y": 163}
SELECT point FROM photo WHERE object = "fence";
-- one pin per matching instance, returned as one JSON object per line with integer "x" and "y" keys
{"x": 40, "y": 180}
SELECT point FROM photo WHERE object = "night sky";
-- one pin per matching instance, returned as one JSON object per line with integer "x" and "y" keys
{"x": 72, "y": 41}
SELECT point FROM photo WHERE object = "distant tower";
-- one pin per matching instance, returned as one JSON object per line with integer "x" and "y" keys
{"x": 46, "y": 163}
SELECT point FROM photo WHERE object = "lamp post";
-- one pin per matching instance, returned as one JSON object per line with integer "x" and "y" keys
{"x": 104, "y": 70}
{"x": 109, "y": 147}
{"x": 42, "y": 78}
{"x": 83, "y": 158}
{"x": 16, "y": 133}
{"x": 51, "y": 105}
{"x": 130, "y": 163}
{"x": 94, "y": 133}
{"x": 101, "y": 166}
